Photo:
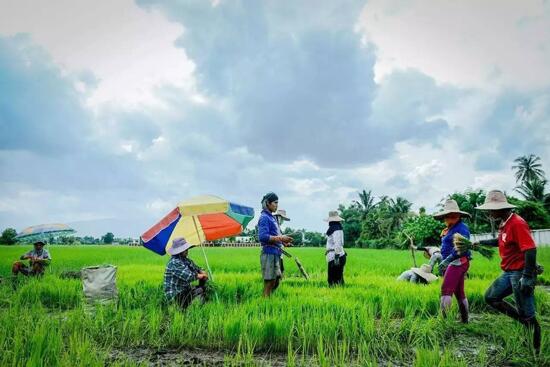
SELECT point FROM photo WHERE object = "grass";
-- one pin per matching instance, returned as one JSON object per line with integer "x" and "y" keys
{"x": 373, "y": 320}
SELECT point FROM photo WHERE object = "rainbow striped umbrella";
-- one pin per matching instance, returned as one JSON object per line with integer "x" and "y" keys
{"x": 199, "y": 219}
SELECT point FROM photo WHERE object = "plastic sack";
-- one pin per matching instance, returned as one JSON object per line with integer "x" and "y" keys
{"x": 99, "y": 283}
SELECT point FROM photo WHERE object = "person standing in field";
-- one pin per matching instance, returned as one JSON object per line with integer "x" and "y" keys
{"x": 272, "y": 242}
{"x": 39, "y": 258}
{"x": 454, "y": 266}
{"x": 335, "y": 254}
{"x": 180, "y": 273}
{"x": 518, "y": 253}
{"x": 281, "y": 217}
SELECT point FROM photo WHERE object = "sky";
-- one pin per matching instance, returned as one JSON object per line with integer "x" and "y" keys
{"x": 111, "y": 112}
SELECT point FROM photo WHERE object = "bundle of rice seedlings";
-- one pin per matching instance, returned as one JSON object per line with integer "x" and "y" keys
{"x": 460, "y": 239}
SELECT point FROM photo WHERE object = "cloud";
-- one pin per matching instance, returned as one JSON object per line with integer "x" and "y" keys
{"x": 138, "y": 106}
{"x": 130, "y": 51}
{"x": 31, "y": 83}
{"x": 488, "y": 44}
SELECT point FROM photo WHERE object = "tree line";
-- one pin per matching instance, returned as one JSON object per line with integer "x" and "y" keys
{"x": 382, "y": 222}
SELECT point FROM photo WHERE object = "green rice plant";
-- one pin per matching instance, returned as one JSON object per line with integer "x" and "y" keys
{"x": 459, "y": 239}
{"x": 372, "y": 320}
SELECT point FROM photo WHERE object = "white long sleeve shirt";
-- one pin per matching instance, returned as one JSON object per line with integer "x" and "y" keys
{"x": 335, "y": 245}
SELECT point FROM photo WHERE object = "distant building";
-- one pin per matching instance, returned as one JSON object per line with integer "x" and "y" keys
{"x": 244, "y": 239}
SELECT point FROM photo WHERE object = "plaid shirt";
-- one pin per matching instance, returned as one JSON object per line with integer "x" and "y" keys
{"x": 178, "y": 276}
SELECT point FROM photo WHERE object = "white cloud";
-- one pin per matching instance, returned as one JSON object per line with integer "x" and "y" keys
{"x": 489, "y": 44}
{"x": 129, "y": 50}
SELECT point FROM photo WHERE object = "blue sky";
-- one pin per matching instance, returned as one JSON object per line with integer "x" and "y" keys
{"x": 112, "y": 112}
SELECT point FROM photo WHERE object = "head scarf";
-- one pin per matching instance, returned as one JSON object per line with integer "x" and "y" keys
{"x": 269, "y": 198}
{"x": 334, "y": 226}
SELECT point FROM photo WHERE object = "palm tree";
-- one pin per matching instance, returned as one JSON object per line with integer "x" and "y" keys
{"x": 528, "y": 168}
{"x": 399, "y": 209}
{"x": 533, "y": 190}
{"x": 366, "y": 202}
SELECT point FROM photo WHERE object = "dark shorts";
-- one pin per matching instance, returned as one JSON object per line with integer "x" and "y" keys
{"x": 508, "y": 284}
{"x": 271, "y": 266}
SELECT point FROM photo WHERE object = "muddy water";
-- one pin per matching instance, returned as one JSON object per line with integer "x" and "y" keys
{"x": 190, "y": 357}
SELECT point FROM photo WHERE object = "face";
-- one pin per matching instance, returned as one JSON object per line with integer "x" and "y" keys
{"x": 38, "y": 247}
{"x": 500, "y": 214}
{"x": 451, "y": 219}
{"x": 272, "y": 207}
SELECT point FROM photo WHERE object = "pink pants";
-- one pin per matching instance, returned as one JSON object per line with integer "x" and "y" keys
{"x": 453, "y": 281}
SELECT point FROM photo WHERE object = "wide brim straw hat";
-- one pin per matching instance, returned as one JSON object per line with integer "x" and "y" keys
{"x": 495, "y": 200}
{"x": 282, "y": 213}
{"x": 425, "y": 272}
{"x": 333, "y": 216}
{"x": 179, "y": 245}
{"x": 450, "y": 207}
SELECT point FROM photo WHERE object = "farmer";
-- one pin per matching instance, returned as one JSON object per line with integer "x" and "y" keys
{"x": 453, "y": 267}
{"x": 180, "y": 273}
{"x": 39, "y": 258}
{"x": 335, "y": 254}
{"x": 518, "y": 255}
{"x": 272, "y": 242}
{"x": 281, "y": 217}
{"x": 432, "y": 253}
{"x": 421, "y": 275}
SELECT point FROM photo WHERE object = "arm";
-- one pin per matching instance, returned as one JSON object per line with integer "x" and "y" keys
{"x": 25, "y": 256}
{"x": 435, "y": 258}
{"x": 528, "y": 279}
{"x": 263, "y": 232}
{"x": 493, "y": 242}
{"x": 185, "y": 273}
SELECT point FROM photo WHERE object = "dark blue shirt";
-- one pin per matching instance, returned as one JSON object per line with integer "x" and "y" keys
{"x": 447, "y": 247}
{"x": 267, "y": 227}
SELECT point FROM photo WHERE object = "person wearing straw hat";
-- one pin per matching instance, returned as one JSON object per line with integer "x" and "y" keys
{"x": 39, "y": 259}
{"x": 421, "y": 275}
{"x": 335, "y": 254}
{"x": 180, "y": 273}
{"x": 454, "y": 266}
{"x": 518, "y": 253}
{"x": 272, "y": 242}
{"x": 281, "y": 217}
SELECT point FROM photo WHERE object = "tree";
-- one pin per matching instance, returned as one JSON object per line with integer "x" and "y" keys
{"x": 8, "y": 237}
{"x": 533, "y": 190}
{"x": 423, "y": 229}
{"x": 108, "y": 238}
{"x": 528, "y": 167}
{"x": 352, "y": 216}
{"x": 533, "y": 212}
{"x": 366, "y": 202}
{"x": 468, "y": 201}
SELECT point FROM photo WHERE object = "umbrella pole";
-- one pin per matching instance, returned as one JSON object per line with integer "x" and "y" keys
{"x": 205, "y": 258}
{"x": 202, "y": 247}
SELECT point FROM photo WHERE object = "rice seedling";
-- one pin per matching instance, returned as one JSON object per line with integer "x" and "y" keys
{"x": 372, "y": 320}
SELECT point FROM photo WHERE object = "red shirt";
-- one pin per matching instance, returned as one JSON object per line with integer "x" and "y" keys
{"x": 513, "y": 239}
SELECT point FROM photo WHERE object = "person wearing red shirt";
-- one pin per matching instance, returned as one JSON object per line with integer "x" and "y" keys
{"x": 518, "y": 253}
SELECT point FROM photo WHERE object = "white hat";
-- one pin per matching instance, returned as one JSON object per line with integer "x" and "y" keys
{"x": 333, "y": 216}
{"x": 282, "y": 213}
{"x": 179, "y": 245}
{"x": 495, "y": 200}
{"x": 450, "y": 207}
{"x": 425, "y": 272}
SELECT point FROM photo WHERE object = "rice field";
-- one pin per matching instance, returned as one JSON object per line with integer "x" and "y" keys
{"x": 372, "y": 321}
